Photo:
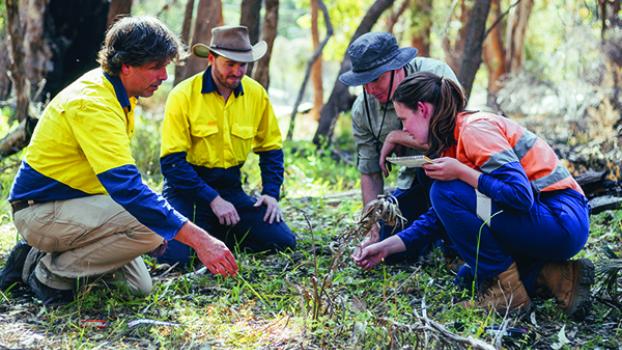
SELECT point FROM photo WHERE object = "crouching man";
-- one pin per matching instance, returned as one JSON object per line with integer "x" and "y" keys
{"x": 78, "y": 199}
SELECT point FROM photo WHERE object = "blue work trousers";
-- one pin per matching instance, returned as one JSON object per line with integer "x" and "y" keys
{"x": 251, "y": 233}
{"x": 553, "y": 230}
{"x": 412, "y": 203}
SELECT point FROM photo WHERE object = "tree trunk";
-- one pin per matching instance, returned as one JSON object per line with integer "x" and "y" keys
{"x": 75, "y": 30}
{"x": 180, "y": 67}
{"x": 316, "y": 70}
{"x": 118, "y": 9}
{"x": 472, "y": 57}
{"x": 38, "y": 52}
{"x": 249, "y": 17}
{"x": 494, "y": 56}
{"x": 391, "y": 20}
{"x": 5, "y": 84}
{"x": 611, "y": 37}
{"x": 62, "y": 40}
{"x": 421, "y": 26}
{"x": 209, "y": 15}
{"x": 16, "y": 30}
{"x": 340, "y": 99}
{"x": 262, "y": 70}
{"x": 517, "y": 27}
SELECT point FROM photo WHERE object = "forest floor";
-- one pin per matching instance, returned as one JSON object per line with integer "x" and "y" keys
{"x": 316, "y": 297}
{"x": 313, "y": 298}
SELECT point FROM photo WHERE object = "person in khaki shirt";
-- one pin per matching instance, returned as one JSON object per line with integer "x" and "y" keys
{"x": 212, "y": 121}
{"x": 379, "y": 64}
{"x": 78, "y": 199}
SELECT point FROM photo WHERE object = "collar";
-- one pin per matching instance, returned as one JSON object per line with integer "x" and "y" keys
{"x": 209, "y": 85}
{"x": 119, "y": 90}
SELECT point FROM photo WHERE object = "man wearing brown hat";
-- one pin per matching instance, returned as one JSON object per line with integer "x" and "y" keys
{"x": 212, "y": 121}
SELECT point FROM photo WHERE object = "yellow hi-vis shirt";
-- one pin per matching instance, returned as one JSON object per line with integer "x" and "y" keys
{"x": 81, "y": 147}
{"x": 84, "y": 132}
{"x": 215, "y": 134}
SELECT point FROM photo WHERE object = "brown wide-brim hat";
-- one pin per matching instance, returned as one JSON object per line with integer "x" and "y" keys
{"x": 232, "y": 42}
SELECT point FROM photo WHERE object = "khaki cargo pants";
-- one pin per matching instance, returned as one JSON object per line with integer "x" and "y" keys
{"x": 87, "y": 237}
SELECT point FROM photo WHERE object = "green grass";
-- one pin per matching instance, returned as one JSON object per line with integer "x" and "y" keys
{"x": 301, "y": 299}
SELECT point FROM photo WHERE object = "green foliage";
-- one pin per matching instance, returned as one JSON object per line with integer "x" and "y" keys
{"x": 273, "y": 303}
{"x": 146, "y": 149}
{"x": 2, "y": 18}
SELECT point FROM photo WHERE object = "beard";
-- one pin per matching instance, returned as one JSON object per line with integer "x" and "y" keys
{"x": 226, "y": 81}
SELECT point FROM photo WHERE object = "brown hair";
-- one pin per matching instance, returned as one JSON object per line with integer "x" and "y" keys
{"x": 444, "y": 95}
{"x": 136, "y": 41}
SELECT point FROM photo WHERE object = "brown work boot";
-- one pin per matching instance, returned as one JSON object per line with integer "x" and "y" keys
{"x": 504, "y": 293}
{"x": 569, "y": 282}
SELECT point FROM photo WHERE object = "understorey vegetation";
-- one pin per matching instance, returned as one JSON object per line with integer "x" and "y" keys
{"x": 312, "y": 298}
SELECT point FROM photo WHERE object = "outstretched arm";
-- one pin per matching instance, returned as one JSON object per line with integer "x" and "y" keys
{"x": 213, "y": 253}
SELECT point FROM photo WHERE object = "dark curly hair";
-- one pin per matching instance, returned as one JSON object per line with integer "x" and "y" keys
{"x": 136, "y": 41}
{"x": 447, "y": 98}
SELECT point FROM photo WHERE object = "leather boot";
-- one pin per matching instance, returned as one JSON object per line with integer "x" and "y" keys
{"x": 49, "y": 296}
{"x": 569, "y": 282}
{"x": 14, "y": 265}
{"x": 506, "y": 292}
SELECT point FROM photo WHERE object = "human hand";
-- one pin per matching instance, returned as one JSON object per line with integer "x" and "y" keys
{"x": 212, "y": 252}
{"x": 224, "y": 211}
{"x": 215, "y": 255}
{"x": 444, "y": 169}
{"x": 388, "y": 147}
{"x": 273, "y": 212}
{"x": 372, "y": 255}
{"x": 371, "y": 237}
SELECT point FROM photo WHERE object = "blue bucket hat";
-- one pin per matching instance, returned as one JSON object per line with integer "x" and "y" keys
{"x": 373, "y": 54}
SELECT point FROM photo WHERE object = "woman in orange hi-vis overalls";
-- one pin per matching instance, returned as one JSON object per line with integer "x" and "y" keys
{"x": 500, "y": 195}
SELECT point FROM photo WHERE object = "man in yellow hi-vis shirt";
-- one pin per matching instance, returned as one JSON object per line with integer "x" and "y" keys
{"x": 212, "y": 121}
{"x": 78, "y": 198}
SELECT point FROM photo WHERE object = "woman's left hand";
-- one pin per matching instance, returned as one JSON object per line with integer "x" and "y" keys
{"x": 445, "y": 169}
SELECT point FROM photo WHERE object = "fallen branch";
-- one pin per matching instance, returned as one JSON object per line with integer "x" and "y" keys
{"x": 14, "y": 141}
{"x": 438, "y": 331}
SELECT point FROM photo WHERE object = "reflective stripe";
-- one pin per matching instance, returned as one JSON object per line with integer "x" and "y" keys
{"x": 483, "y": 207}
{"x": 498, "y": 160}
{"x": 558, "y": 174}
{"x": 524, "y": 144}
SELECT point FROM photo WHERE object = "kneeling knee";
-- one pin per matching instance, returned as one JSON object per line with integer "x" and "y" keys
{"x": 286, "y": 241}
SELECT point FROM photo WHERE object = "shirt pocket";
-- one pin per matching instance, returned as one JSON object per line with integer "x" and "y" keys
{"x": 203, "y": 151}
{"x": 203, "y": 130}
{"x": 242, "y": 140}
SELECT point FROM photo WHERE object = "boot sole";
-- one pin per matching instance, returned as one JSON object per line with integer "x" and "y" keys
{"x": 581, "y": 304}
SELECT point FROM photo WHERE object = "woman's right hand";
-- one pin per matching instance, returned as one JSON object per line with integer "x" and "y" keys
{"x": 372, "y": 255}
{"x": 371, "y": 237}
